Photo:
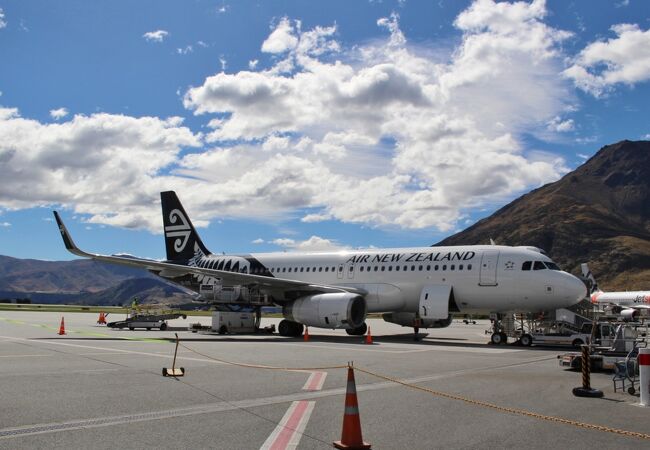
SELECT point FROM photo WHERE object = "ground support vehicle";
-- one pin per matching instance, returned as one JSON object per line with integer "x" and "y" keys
{"x": 147, "y": 321}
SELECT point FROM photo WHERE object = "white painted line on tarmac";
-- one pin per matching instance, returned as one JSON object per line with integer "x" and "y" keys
{"x": 315, "y": 381}
{"x": 20, "y": 356}
{"x": 103, "y": 349}
{"x": 289, "y": 431}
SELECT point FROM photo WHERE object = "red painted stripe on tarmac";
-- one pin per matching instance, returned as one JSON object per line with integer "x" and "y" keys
{"x": 284, "y": 437}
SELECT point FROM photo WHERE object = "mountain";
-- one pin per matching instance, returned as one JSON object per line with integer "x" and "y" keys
{"x": 83, "y": 282}
{"x": 599, "y": 213}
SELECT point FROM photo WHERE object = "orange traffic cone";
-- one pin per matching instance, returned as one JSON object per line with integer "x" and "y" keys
{"x": 62, "y": 328}
{"x": 368, "y": 337}
{"x": 306, "y": 335}
{"x": 351, "y": 435}
{"x": 102, "y": 319}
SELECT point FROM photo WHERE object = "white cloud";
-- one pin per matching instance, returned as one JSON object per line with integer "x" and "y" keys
{"x": 3, "y": 22}
{"x": 110, "y": 167}
{"x": 258, "y": 241}
{"x": 560, "y": 126}
{"x": 184, "y": 51}
{"x": 646, "y": 137}
{"x": 387, "y": 133}
{"x": 281, "y": 39}
{"x": 155, "y": 36}
{"x": 5, "y": 224}
{"x": 252, "y": 64}
{"x": 313, "y": 244}
{"x": 59, "y": 113}
{"x": 622, "y": 60}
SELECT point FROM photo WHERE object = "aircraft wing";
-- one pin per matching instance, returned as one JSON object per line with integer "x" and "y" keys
{"x": 166, "y": 269}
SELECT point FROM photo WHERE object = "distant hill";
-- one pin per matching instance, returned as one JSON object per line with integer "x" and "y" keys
{"x": 599, "y": 213}
{"x": 83, "y": 282}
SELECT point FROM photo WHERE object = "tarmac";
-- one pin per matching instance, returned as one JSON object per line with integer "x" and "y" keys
{"x": 103, "y": 388}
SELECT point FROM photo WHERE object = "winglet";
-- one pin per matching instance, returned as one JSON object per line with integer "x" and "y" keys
{"x": 67, "y": 239}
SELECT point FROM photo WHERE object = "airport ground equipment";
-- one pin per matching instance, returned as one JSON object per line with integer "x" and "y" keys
{"x": 586, "y": 390}
{"x": 627, "y": 340}
{"x": 147, "y": 321}
{"x": 351, "y": 437}
{"x": 174, "y": 372}
{"x": 224, "y": 322}
{"x": 644, "y": 373}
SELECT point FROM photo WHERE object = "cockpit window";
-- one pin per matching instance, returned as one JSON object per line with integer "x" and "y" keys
{"x": 551, "y": 265}
{"x": 526, "y": 265}
{"x": 539, "y": 265}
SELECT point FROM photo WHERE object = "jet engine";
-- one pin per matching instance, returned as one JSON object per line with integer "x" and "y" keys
{"x": 407, "y": 319}
{"x": 629, "y": 313}
{"x": 332, "y": 310}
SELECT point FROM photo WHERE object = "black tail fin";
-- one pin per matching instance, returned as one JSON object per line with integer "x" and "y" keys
{"x": 181, "y": 239}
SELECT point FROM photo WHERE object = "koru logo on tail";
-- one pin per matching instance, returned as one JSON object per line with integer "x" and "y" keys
{"x": 182, "y": 231}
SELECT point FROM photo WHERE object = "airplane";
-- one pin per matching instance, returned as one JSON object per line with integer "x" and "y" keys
{"x": 414, "y": 287}
{"x": 627, "y": 304}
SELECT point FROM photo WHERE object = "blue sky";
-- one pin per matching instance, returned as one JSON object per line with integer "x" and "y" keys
{"x": 302, "y": 125}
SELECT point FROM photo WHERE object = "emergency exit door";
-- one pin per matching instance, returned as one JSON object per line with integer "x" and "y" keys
{"x": 489, "y": 262}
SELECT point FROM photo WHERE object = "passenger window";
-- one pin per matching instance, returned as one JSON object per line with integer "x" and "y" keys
{"x": 452, "y": 267}
{"x": 420, "y": 268}
{"x": 307, "y": 269}
{"x": 351, "y": 268}
{"x": 376, "y": 268}
{"x": 396, "y": 268}
{"x": 327, "y": 269}
{"x": 436, "y": 267}
{"x": 460, "y": 267}
{"x": 412, "y": 268}
{"x": 320, "y": 269}
{"x": 390, "y": 268}
{"x": 289, "y": 269}
{"x": 426, "y": 296}
{"x": 368, "y": 269}
{"x": 539, "y": 265}
{"x": 406, "y": 268}
{"x": 361, "y": 269}
{"x": 302, "y": 268}
{"x": 469, "y": 267}
{"x": 383, "y": 268}
{"x": 284, "y": 269}
{"x": 444, "y": 267}
{"x": 340, "y": 268}
{"x": 428, "y": 267}
{"x": 526, "y": 265}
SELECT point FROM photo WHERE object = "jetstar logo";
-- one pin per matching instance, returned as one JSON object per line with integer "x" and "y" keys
{"x": 181, "y": 231}
{"x": 411, "y": 257}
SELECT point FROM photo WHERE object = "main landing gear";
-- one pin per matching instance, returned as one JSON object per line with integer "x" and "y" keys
{"x": 288, "y": 328}
{"x": 358, "y": 331}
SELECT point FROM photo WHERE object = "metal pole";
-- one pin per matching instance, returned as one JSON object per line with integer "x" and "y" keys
{"x": 586, "y": 390}
{"x": 644, "y": 375}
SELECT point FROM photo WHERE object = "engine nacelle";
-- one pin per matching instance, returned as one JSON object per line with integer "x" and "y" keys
{"x": 629, "y": 313}
{"x": 407, "y": 319}
{"x": 334, "y": 310}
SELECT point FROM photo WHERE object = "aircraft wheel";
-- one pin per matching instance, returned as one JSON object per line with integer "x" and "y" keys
{"x": 497, "y": 338}
{"x": 284, "y": 328}
{"x": 223, "y": 329}
{"x": 577, "y": 343}
{"x": 526, "y": 340}
{"x": 359, "y": 331}
{"x": 163, "y": 326}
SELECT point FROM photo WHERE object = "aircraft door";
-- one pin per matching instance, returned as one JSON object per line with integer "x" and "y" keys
{"x": 488, "y": 275}
{"x": 350, "y": 271}
{"x": 339, "y": 272}
{"x": 434, "y": 302}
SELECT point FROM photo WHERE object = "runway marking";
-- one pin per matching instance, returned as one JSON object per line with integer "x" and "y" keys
{"x": 399, "y": 348}
{"x": 28, "y": 430}
{"x": 289, "y": 431}
{"x": 68, "y": 344}
{"x": 20, "y": 356}
{"x": 315, "y": 381}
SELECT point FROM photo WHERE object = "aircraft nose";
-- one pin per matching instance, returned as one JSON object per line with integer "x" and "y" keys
{"x": 576, "y": 290}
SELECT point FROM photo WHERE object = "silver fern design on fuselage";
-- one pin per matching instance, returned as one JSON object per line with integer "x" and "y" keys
{"x": 217, "y": 262}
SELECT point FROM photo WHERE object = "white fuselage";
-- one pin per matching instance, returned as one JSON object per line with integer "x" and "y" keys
{"x": 630, "y": 299}
{"x": 484, "y": 279}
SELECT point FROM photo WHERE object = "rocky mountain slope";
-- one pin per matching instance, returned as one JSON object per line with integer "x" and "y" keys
{"x": 599, "y": 213}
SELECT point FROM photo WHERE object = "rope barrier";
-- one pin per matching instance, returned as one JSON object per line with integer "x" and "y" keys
{"x": 470, "y": 401}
